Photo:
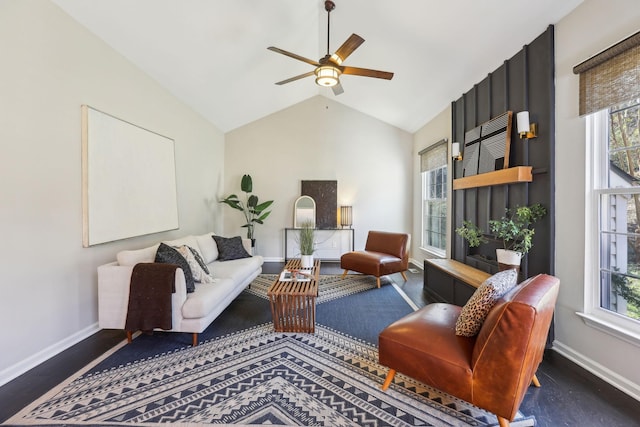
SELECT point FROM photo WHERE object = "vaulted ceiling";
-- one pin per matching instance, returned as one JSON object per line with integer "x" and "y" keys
{"x": 212, "y": 54}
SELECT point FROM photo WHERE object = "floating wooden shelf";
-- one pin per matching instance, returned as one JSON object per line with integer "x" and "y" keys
{"x": 502, "y": 176}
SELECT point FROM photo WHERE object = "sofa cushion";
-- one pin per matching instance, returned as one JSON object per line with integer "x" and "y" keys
{"x": 208, "y": 247}
{"x": 237, "y": 270}
{"x": 186, "y": 240}
{"x": 168, "y": 255}
{"x": 199, "y": 274}
{"x": 230, "y": 248}
{"x": 483, "y": 299}
{"x": 206, "y": 298}
{"x": 131, "y": 258}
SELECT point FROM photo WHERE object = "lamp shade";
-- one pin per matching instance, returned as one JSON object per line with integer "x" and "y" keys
{"x": 455, "y": 149}
{"x": 346, "y": 219}
{"x": 327, "y": 75}
{"x": 523, "y": 121}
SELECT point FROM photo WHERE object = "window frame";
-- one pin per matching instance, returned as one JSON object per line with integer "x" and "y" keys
{"x": 597, "y": 142}
{"x": 439, "y": 252}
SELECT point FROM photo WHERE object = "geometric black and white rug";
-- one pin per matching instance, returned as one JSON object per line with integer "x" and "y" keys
{"x": 330, "y": 287}
{"x": 255, "y": 376}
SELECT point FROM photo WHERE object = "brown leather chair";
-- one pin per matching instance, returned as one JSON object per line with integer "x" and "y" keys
{"x": 491, "y": 370}
{"x": 384, "y": 253}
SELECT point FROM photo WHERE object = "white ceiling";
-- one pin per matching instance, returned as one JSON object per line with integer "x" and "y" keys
{"x": 212, "y": 54}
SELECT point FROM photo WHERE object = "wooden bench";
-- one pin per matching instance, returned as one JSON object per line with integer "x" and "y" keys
{"x": 452, "y": 281}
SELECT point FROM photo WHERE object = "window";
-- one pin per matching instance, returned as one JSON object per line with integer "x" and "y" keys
{"x": 615, "y": 139}
{"x": 433, "y": 166}
{"x": 610, "y": 97}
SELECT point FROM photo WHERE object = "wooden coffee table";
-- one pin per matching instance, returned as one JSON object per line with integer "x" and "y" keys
{"x": 293, "y": 303}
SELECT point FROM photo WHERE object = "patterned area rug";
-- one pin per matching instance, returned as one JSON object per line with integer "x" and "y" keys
{"x": 330, "y": 287}
{"x": 256, "y": 376}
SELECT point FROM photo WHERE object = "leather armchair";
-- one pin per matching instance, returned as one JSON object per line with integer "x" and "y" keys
{"x": 491, "y": 370}
{"x": 384, "y": 253}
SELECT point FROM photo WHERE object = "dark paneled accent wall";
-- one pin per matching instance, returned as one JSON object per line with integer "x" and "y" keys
{"x": 523, "y": 82}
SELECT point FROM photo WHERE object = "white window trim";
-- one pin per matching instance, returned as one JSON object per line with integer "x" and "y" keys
{"x": 593, "y": 315}
{"x": 433, "y": 251}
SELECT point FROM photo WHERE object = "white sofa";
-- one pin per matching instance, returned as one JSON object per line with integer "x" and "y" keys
{"x": 191, "y": 312}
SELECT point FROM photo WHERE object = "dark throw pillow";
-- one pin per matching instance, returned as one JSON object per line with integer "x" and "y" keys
{"x": 168, "y": 255}
{"x": 230, "y": 248}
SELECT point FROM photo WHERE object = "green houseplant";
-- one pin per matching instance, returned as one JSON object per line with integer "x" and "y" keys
{"x": 307, "y": 243}
{"x": 471, "y": 233}
{"x": 254, "y": 212}
{"x": 514, "y": 229}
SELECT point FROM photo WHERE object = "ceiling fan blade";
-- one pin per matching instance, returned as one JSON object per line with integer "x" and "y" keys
{"x": 347, "y": 48}
{"x": 337, "y": 89}
{"x": 294, "y": 56}
{"x": 367, "y": 73}
{"x": 292, "y": 79}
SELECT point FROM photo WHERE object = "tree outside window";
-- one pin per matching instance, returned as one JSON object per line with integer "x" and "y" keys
{"x": 619, "y": 209}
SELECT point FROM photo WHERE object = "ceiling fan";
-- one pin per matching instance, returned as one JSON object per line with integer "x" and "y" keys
{"x": 329, "y": 68}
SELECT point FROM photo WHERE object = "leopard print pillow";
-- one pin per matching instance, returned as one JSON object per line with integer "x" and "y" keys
{"x": 483, "y": 299}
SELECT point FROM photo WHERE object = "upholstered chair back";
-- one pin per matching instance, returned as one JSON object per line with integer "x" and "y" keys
{"x": 511, "y": 344}
{"x": 395, "y": 244}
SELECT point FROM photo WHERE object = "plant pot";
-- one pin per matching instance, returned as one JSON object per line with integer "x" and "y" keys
{"x": 508, "y": 259}
{"x": 306, "y": 261}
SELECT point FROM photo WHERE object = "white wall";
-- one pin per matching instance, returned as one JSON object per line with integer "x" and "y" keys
{"x": 591, "y": 28}
{"x": 50, "y": 66}
{"x": 319, "y": 139}
{"x": 431, "y": 133}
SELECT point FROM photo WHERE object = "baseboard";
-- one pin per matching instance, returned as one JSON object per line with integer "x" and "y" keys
{"x": 31, "y": 362}
{"x": 630, "y": 388}
{"x": 418, "y": 264}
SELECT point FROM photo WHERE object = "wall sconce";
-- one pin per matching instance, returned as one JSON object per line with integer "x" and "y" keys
{"x": 455, "y": 151}
{"x": 525, "y": 129}
{"x": 346, "y": 218}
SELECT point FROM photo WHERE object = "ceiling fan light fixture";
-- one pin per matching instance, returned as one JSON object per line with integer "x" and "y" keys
{"x": 327, "y": 76}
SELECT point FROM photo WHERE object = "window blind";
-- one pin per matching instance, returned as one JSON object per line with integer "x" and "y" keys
{"x": 611, "y": 77}
{"x": 434, "y": 156}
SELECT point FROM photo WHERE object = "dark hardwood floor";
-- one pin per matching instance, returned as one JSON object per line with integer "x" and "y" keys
{"x": 570, "y": 396}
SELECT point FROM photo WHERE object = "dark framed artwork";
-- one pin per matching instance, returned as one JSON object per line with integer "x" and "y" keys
{"x": 487, "y": 147}
{"x": 325, "y": 194}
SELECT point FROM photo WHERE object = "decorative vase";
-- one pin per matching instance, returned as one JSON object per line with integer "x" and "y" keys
{"x": 508, "y": 259}
{"x": 306, "y": 261}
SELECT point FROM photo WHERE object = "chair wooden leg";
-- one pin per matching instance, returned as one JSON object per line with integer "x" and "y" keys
{"x": 387, "y": 381}
{"x": 378, "y": 281}
{"x": 194, "y": 339}
{"x": 503, "y": 422}
{"x": 404, "y": 276}
{"x": 129, "y": 337}
{"x": 535, "y": 381}
{"x": 344, "y": 274}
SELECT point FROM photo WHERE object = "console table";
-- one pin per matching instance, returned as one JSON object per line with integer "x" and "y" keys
{"x": 331, "y": 243}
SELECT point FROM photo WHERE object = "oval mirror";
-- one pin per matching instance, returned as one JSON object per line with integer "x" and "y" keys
{"x": 304, "y": 210}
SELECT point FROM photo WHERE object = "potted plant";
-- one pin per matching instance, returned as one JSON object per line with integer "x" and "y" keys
{"x": 471, "y": 233}
{"x": 514, "y": 229}
{"x": 307, "y": 244}
{"x": 254, "y": 212}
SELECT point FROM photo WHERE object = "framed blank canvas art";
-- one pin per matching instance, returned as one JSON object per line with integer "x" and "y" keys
{"x": 128, "y": 179}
